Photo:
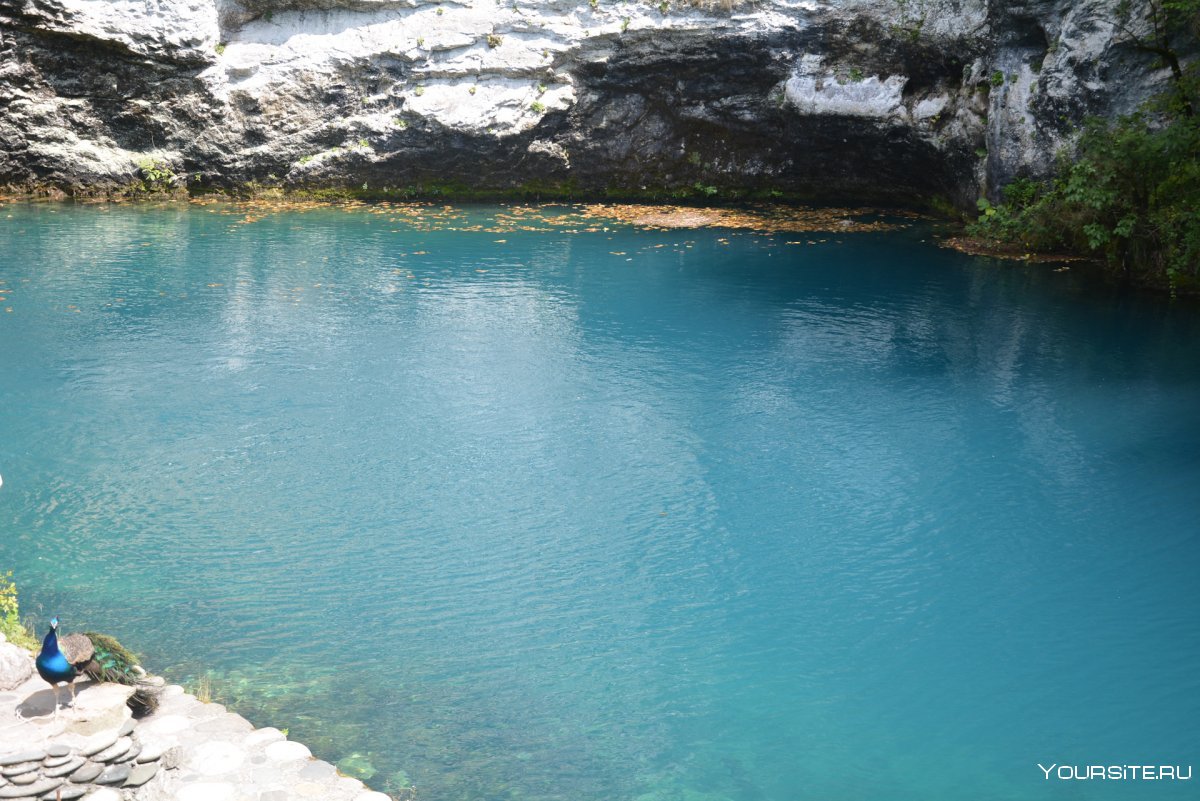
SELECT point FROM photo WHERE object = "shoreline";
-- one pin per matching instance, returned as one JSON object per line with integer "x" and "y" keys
{"x": 186, "y": 750}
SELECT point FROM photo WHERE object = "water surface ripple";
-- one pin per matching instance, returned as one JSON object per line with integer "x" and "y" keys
{"x": 614, "y": 514}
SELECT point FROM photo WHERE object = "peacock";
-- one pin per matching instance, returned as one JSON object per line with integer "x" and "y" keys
{"x": 97, "y": 656}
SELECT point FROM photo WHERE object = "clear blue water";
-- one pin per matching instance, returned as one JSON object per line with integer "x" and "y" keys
{"x": 614, "y": 514}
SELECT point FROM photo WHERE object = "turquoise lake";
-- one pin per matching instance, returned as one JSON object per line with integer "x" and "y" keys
{"x": 601, "y": 513}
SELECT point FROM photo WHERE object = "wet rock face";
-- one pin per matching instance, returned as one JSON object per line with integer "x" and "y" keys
{"x": 867, "y": 100}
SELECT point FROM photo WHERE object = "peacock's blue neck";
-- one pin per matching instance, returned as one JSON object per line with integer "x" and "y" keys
{"x": 51, "y": 664}
{"x": 50, "y": 644}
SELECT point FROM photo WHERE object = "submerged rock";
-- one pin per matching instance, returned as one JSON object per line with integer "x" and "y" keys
{"x": 357, "y": 765}
{"x": 860, "y": 99}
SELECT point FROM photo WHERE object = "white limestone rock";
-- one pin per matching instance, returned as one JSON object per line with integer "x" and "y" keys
{"x": 16, "y": 665}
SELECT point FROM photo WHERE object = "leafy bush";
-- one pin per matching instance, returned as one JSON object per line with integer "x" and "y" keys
{"x": 10, "y": 615}
{"x": 157, "y": 176}
{"x": 1131, "y": 194}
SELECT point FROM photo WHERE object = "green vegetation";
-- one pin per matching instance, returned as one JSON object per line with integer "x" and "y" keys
{"x": 537, "y": 106}
{"x": 997, "y": 78}
{"x": 494, "y": 41}
{"x": 856, "y": 75}
{"x": 202, "y": 688}
{"x": 220, "y": 48}
{"x": 157, "y": 176}
{"x": 1131, "y": 194}
{"x": 11, "y": 626}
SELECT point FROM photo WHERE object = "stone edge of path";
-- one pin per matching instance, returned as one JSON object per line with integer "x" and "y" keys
{"x": 186, "y": 750}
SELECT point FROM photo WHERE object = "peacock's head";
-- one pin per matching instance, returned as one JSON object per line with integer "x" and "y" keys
{"x": 54, "y": 623}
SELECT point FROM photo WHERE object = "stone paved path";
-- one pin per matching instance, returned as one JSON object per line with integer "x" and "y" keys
{"x": 186, "y": 751}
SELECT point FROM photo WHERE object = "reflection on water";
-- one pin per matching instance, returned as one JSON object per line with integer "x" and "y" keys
{"x": 597, "y": 512}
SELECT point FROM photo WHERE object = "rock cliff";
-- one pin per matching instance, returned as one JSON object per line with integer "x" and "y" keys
{"x": 870, "y": 100}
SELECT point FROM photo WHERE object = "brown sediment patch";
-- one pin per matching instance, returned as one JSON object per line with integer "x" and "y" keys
{"x": 561, "y": 217}
{"x": 768, "y": 219}
{"x": 973, "y": 246}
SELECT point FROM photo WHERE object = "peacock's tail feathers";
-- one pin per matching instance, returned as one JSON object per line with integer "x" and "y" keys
{"x": 145, "y": 699}
{"x": 113, "y": 662}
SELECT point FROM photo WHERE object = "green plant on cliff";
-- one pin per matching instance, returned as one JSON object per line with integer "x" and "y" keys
{"x": 1131, "y": 194}
{"x": 1131, "y": 197}
{"x": 157, "y": 176}
{"x": 10, "y": 615}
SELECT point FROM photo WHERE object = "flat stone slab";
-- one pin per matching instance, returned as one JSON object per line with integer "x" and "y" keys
{"x": 17, "y": 757}
{"x": 231, "y": 723}
{"x": 141, "y": 774}
{"x": 206, "y": 791}
{"x": 98, "y": 742}
{"x": 113, "y": 774}
{"x": 105, "y": 794}
{"x": 19, "y": 769}
{"x": 71, "y": 765}
{"x": 317, "y": 769}
{"x": 87, "y": 773}
{"x": 215, "y": 758}
{"x": 153, "y": 750}
{"x": 165, "y": 724}
{"x": 29, "y": 790}
{"x": 287, "y": 751}
{"x": 115, "y": 751}
{"x": 263, "y": 737}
